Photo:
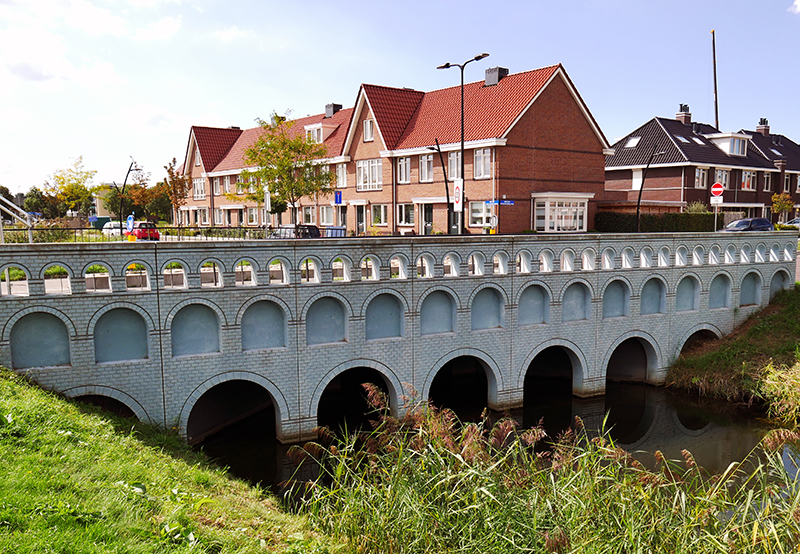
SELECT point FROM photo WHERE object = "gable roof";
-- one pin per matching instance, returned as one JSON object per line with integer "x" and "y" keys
{"x": 213, "y": 143}
{"x": 776, "y": 147}
{"x": 392, "y": 109}
{"x": 682, "y": 144}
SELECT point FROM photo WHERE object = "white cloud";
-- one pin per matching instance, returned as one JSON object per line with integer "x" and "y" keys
{"x": 235, "y": 33}
{"x": 795, "y": 8}
{"x": 150, "y": 3}
{"x": 83, "y": 15}
{"x": 160, "y": 30}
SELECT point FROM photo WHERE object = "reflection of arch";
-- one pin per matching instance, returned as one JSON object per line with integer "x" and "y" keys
{"x": 395, "y": 386}
{"x": 651, "y": 348}
{"x": 278, "y": 401}
{"x": 99, "y": 390}
{"x": 682, "y": 427}
{"x": 494, "y": 376}
{"x": 576, "y": 357}
{"x": 696, "y": 329}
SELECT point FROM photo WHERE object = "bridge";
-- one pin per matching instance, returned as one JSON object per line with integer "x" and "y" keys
{"x": 196, "y": 335}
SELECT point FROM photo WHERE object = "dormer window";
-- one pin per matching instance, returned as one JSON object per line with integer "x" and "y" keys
{"x": 319, "y": 132}
{"x": 733, "y": 144}
{"x": 632, "y": 142}
{"x": 738, "y": 147}
{"x": 314, "y": 135}
{"x": 369, "y": 130}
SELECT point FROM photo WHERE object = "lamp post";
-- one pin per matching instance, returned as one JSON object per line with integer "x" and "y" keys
{"x": 438, "y": 149}
{"x": 122, "y": 193}
{"x": 461, "y": 66}
{"x": 653, "y": 154}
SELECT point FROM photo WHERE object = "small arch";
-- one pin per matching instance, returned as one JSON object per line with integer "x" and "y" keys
{"x": 687, "y": 294}
{"x": 128, "y": 401}
{"x": 385, "y": 317}
{"x": 681, "y": 256}
{"x": 194, "y": 329}
{"x": 57, "y": 279}
{"x": 789, "y": 252}
{"x": 120, "y": 334}
{"x": 588, "y": 260}
{"x": 761, "y": 254}
{"x": 487, "y": 309}
{"x": 263, "y": 326}
{"x": 750, "y": 290}
{"x": 476, "y": 264}
{"x": 524, "y": 262}
{"x": 627, "y": 257}
{"x": 646, "y": 257}
{"x": 310, "y": 270}
{"x": 697, "y": 334}
{"x": 39, "y": 339}
{"x": 278, "y": 269}
{"x": 576, "y": 303}
{"x": 137, "y": 278}
{"x": 654, "y": 297}
{"x": 500, "y": 263}
{"x": 698, "y": 255}
{"x": 398, "y": 267}
{"x": 616, "y": 299}
{"x": 780, "y": 281}
{"x": 730, "y": 254}
{"x": 174, "y": 274}
{"x": 775, "y": 253}
{"x": 244, "y": 273}
{"x": 211, "y": 273}
{"x": 533, "y": 306}
{"x": 97, "y": 278}
{"x": 545, "y": 261}
{"x": 425, "y": 263}
{"x": 745, "y": 253}
{"x": 663, "y": 256}
{"x": 567, "y": 262}
{"x": 714, "y": 255}
{"x": 370, "y": 268}
{"x": 452, "y": 263}
{"x": 341, "y": 268}
{"x": 14, "y": 281}
{"x": 719, "y": 292}
{"x": 326, "y": 321}
{"x": 437, "y": 313}
{"x": 609, "y": 258}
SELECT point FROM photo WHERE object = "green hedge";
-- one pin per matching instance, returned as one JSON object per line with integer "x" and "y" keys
{"x": 614, "y": 222}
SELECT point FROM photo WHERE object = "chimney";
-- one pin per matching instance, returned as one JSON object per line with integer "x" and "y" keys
{"x": 494, "y": 75}
{"x": 684, "y": 115}
{"x": 763, "y": 126}
{"x": 331, "y": 109}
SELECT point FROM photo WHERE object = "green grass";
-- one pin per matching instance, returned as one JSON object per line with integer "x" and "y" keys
{"x": 76, "y": 480}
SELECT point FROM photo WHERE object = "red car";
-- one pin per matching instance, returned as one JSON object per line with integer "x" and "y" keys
{"x": 144, "y": 230}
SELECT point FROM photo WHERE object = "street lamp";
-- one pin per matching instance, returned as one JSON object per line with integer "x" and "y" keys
{"x": 653, "y": 154}
{"x": 438, "y": 149}
{"x": 461, "y": 66}
{"x": 121, "y": 193}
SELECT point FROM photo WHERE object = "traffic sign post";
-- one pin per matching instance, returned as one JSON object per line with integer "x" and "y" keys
{"x": 716, "y": 199}
{"x": 458, "y": 195}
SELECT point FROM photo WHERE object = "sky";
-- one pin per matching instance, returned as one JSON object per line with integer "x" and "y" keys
{"x": 115, "y": 80}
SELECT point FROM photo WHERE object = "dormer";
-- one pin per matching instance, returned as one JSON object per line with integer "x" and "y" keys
{"x": 733, "y": 144}
{"x": 319, "y": 132}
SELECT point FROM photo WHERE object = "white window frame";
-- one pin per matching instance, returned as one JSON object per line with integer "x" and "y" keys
{"x": 700, "y": 177}
{"x": 253, "y": 182}
{"x": 721, "y": 176}
{"x": 341, "y": 176}
{"x": 369, "y": 174}
{"x": 454, "y": 165}
{"x": 404, "y": 170}
{"x": 555, "y": 214}
{"x": 202, "y": 216}
{"x": 379, "y": 215}
{"x": 217, "y": 216}
{"x": 252, "y": 216}
{"x": 369, "y": 130}
{"x": 309, "y": 215}
{"x": 767, "y": 181}
{"x": 199, "y": 189}
{"x": 405, "y": 214}
{"x": 426, "y": 168}
{"x": 748, "y": 180}
{"x": 482, "y": 163}
{"x": 314, "y": 135}
{"x": 738, "y": 146}
{"x": 480, "y": 214}
{"x": 787, "y": 182}
{"x": 326, "y": 215}
{"x": 216, "y": 186}
{"x": 226, "y": 184}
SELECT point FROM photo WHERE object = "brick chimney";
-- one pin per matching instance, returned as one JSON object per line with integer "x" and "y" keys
{"x": 763, "y": 126}
{"x": 684, "y": 115}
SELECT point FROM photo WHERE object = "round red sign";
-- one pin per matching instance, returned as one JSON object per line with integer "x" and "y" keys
{"x": 717, "y": 189}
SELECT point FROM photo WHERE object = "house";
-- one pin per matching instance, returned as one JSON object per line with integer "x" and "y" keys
{"x": 534, "y": 159}
{"x": 678, "y": 160}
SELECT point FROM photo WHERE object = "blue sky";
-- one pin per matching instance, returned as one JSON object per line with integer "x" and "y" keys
{"x": 111, "y": 79}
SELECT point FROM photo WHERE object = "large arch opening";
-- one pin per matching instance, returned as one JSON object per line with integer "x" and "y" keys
{"x": 234, "y": 423}
{"x": 629, "y": 361}
{"x": 547, "y": 393}
{"x": 698, "y": 338}
{"x": 107, "y": 403}
{"x": 344, "y": 403}
{"x": 462, "y": 385}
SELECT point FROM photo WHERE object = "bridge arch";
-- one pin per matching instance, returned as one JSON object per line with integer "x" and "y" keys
{"x": 487, "y": 305}
{"x": 780, "y": 280}
{"x": 336, "y": 328}
{"x": 576, "y": 300}
{"x": 195, "y": 300}
{"x": 616, "y": 294}
{"x": 381, "y": 325}
{"x": 266, "y": 326}
{"x": 123, "y": 397}
{"x": 47, "y": 266}
{"x": 173, "y": 260}
{"x": 494, "y": 376}
{"x": 129, "y": 305}
{"x": 285, "y": 270}
{"x": 720, "y": 290}
{"x": 699, "y": 330}
{"x": 212, "y": 260}
{"x": 108, "y": 266}
{"x": 750, "y": 288}
{"x": 653, "y": 295}
{"x": 121, "y": 270}
{"x": 347, "y": 267}
{"x": 28, "y": 345}
{"x": 373, "y": 267}
{"x": 261, "y": 297}
{"x": 652, "y": 353}
{"x": 34, "y": 309}
{"x": 402, "y": 263}
{"x": 572, "y": 350}
{"x": 687, "y": 292}
{"x": 533, "y": 303}
{"x": 438, "y": 311}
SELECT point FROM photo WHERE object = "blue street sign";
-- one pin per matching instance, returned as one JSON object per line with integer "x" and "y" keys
{"x": 130, "y": 223}
{"x": 338, "y": 198}
{"x": 501, "y": 202}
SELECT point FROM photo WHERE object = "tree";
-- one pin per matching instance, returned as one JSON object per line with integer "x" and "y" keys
{"x": 288, "y": 162}
{"x": 38, "y": 202}
{"x": 72, "y": 187}
{"x": 177, "y": 185}
{"x": 5, "y": 193}
{"x": 782, "y": 203}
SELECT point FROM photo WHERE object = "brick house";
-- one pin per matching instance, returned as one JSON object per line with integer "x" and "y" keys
{"x": 687, "y": 157}
{"x": 534, "y": 159}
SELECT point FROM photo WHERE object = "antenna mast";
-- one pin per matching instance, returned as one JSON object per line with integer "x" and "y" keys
{"x": 716, "y": 99}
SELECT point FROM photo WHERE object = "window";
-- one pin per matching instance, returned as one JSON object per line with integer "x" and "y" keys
{"x": 252, "y": 216}
{"x": 202, "y": 216}
{"x": 767, "y": 181}
{"x": 480, "y": 214}
{"x": 198, "y": 188}
{"x": 341, "y": 215}
{"x": 404, "y": 170}
{"x": 721, "y": 176}
{"x": 216, "y": 186}
{"x": 738, "y": 147}
{"x": 197, "y": 157}
{"x": 483, "y": 163}
{"x": 787, "y": 183}
{"x": 252, "y": 187}
{"x": 308, "y": 215}
{"x": 369, "y": 130}
{"x": 682, "y": 139}
{"x": 698, "y": 141}
{"x": 554, "y": 214}
{"x": 341, "y": 176}
{"x": 314, "y": 135}
{"x": 379, "y": 214}
{"x": 748, "y": 180}
{"x": 326, "y": 215}
{"x": 700, "y": 178}
{"x": 426, "y": 168}
{"x": 217, "y": 216}
{"x": 369, "y": 174}
{"x": 632, "y": 142}
{"x": 405, "y": 214}
{"x": 226, "y": 183}
{"x": 454, "y": 165}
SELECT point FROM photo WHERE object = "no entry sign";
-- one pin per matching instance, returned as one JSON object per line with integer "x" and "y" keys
{"x": 717, "y": 189}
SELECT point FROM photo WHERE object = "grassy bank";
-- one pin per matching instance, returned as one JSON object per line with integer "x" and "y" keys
{"x": 76, "y": 480}
{"x": 427, "y": 484}
{"x": 759, "y": 362}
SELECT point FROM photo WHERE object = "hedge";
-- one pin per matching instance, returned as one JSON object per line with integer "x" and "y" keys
{"x": 615, "y": 222}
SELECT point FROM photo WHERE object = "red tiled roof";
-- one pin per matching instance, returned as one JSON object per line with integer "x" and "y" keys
{"x": 234, "y": 159}
{"x": 392, "y": 109}
{"x": 214, "y": 143}
{"x": 488, "y": 111}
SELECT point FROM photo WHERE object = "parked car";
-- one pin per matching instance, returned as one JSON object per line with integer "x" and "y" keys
{"x": 749, "y": 224}
{"x": 296, "y": 232}
{"x": 112, "y": 229}
{"x": 793, "y": 222}
{"x": 144, "y": 230}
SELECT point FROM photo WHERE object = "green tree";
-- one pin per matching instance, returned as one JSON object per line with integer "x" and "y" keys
{"x": 72, "y": 186}
{"x": 37, "y": 201}
{"x": 5, "y": 193}
{"x": 177, "y": 185}
{"x": 782, "y": 203}
{"x": 288, "y": 162}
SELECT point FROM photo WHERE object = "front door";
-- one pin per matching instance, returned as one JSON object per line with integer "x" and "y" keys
{"x": 342, "y": 221}
{"x": 361, "y": 216}
{"x": 426, "y": 221}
